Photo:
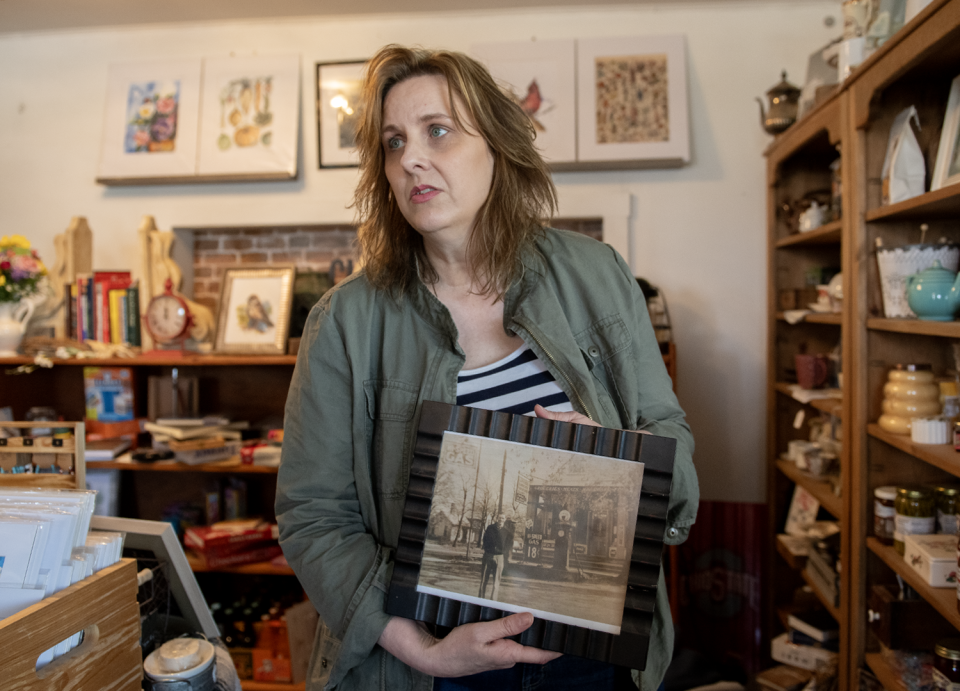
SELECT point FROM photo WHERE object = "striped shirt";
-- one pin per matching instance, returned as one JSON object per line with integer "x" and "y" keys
{"x": 513, "y": 385}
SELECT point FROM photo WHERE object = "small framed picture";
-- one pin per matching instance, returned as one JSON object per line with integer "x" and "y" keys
{"x": 507, "y": 513}
{"x": 338, "y": 93}
{"x": 150, "y": 122}
{"x": 632, "y": 102}
{"x": 947, "y": 169}
{"x": 255, "y": 310}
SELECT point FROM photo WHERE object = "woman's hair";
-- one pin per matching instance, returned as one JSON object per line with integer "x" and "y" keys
{"x": 521, "y": 193}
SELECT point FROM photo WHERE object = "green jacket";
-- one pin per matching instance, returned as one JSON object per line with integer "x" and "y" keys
{"x": 366, "y": 364}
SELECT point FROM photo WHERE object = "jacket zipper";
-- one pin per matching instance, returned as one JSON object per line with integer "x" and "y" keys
{"x": 553, "y": 361}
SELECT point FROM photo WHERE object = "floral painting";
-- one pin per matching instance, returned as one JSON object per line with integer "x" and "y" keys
{"x": 245, "y": 115}
{"x": 632, "y": 99}
{"x": 152, "y": 117}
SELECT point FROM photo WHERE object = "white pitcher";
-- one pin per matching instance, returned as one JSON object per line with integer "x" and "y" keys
{"x": 13, "y": 323}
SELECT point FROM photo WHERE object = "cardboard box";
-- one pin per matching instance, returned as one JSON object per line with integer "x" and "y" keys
{"x": 934, "y": 557}
{"x": 802, "y": 656}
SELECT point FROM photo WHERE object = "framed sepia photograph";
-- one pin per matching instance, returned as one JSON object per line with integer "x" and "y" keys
{"x": 150, "y": 122}
{"x": 540, "y": 76}
{"x": 507, "y": 513}
{"x": 632, "y": 102}
{"x": 254, "y": 314}
{"x": 250, "y": 123}
{"x": 947, "y": 169}
{"x": 338, "y": 93}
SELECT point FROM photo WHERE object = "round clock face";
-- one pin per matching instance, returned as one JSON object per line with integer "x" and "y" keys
{"x": 166, "y": 318}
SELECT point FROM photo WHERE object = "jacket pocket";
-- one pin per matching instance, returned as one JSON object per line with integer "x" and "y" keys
{"x": 391, "y": 406}
{"x": 326, "y": 651}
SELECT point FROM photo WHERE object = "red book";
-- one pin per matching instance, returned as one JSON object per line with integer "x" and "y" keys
{"x": 266, "y": 553}
{"x": 104, "y": 282}
{"x": 223, "y": 535}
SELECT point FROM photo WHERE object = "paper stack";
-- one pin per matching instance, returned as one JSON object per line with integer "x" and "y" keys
{"x": 198, "y": 440}
{"x": 231, "y": 543}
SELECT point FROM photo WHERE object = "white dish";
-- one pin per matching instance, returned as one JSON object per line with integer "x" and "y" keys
{"x": 817, "y": 307}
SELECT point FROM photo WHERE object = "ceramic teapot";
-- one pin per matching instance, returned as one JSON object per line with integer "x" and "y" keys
{"x": 13, "y": 322}
{"x": 782, "y": 112}
{"x": 934, "y": 293}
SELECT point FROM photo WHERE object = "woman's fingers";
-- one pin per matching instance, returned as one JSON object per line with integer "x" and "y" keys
{"x": 571, "y": 416}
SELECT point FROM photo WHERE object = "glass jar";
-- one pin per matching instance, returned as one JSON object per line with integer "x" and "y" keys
{"x": 946, "y": 665}
{"x": 884, "y": 513}
{"x": 909, "y": 392}
{"x": 916, "y": 511}
{"x": 948, "y": 501}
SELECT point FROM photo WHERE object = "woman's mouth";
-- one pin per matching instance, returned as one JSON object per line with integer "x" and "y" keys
{"x": 423, "y": 193}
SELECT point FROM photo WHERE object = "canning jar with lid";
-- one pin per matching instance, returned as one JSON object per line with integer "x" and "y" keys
{"x": 909, "y": 392}
{"x": 884, "y": 513}
{"x": 916, "y": 511}
{"x": 946, "y": 665}
{"x": 948, "y": 501}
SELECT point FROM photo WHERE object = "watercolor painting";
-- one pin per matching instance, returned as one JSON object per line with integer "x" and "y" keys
{"x": 632, "y": 99}
{"x": 152, "y": 117}
{"x": 245, "y": 115}
{"x": 254, "y": 312}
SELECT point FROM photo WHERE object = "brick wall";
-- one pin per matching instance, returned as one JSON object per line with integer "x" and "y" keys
{"x": 309, "y": 248}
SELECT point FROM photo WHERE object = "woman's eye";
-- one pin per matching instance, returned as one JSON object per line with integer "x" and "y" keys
{"x": 394, "y": 143}
{"x": 437, "y": 131}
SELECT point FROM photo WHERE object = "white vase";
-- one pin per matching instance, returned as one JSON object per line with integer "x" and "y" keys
{"x": 13, "y": 322}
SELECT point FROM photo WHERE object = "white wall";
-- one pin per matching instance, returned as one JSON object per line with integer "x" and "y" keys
{"x": 698, "y": 231}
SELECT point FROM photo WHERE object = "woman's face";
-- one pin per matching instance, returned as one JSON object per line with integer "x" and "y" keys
{"x": 440, "y": 173}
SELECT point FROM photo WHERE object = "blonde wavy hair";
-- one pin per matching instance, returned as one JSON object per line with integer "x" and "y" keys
{"x": 521, "y": 193}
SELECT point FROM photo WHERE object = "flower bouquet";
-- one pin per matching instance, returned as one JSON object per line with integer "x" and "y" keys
{"x": 20, "y": 269}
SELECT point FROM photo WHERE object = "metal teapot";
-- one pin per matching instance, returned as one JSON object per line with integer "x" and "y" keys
{"x": 782, "y": 112}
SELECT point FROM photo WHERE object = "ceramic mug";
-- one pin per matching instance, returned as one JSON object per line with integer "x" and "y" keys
{"x": 811, "y": 370}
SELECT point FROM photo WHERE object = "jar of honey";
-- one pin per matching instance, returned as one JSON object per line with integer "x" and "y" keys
{"x": 910, "y": 392}
{"x": 916, "y": 514}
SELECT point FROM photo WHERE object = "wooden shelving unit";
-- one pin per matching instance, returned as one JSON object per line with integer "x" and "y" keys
{"x": 884, "y": 673}
{"x": 831, "y": 406}
{"x": 821, "y": 489}
{"x": 943, "y": 456}
{"x": 944, "y": 600}
{"x": 827, "y": 234}
{"x": 827, "y": 604}
{"x": 248, "y": 685}
{"x": 231, "y": 465}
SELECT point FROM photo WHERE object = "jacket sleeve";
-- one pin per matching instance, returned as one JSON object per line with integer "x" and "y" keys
{"x": 323, "y": 531}
{"x": 660, "y": 413}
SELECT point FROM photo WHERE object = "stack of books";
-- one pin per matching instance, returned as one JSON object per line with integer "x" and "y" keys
{"x": 103, "y": 306}
{"x": 811, "y": 642}
{"x": 198, "y": 440}
{"x": 232, "y": 543}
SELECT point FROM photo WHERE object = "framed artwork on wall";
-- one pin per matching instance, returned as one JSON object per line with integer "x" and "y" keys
{"x": 150, "y": 122}
{"x": 254, "y": 312}
{"x": 250, "y": 117}
{"x": 577, "y": 514}
{"x": 541, "y": 76}
{"x": 338, "y": 93}
{"x": 632, "y": 102}
{"x": 947, "y": 169}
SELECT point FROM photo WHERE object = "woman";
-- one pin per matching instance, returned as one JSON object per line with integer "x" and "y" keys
{"x": 460, "y": 279}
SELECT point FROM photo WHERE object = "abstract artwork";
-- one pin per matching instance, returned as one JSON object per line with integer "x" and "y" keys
{"x": 632, "y": 99}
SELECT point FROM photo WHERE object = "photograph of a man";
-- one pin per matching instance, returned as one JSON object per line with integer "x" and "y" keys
{"x": 492, "y": 563}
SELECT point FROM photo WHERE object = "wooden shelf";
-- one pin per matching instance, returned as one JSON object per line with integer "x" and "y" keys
{"x": 250, "y": 685}
{"x": 829, "y": 606}
{"x": 231, "y": 465}
{"x": 827, "y": 234}
{"x": 942, "y": 456}
{"x": 824, "y": 118}
{"x": 944, "y": 600}
{"x": 817, "y": 318}
{"x": 943, "y": 203}
{"x": 884, "y": 672}
{"x": 262, "y": 568}
{"x": 820, "y": 489}
{"x": 916, "y": 327}
{"x": 793, "y": 561}
{"x": 831, "y": 406}
{"x": 185, "y": 361}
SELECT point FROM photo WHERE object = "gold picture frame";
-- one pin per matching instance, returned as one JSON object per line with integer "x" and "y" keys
{"x": 254, "y": 313}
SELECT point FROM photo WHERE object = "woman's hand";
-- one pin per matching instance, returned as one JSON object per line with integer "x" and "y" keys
{"x": 468, "y": 649}
{"x": 571, "y": 416}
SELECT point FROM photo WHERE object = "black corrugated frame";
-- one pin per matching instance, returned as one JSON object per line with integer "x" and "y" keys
{"x": 629, "y": 649}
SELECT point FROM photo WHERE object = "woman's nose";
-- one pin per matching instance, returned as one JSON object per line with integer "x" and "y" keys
{"x": 414, "y": 156}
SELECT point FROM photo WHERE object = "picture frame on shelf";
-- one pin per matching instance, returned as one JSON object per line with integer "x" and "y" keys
{"x": 150, "y": 124}
{"x": 254, "y": 310}
{"x": 632, "y": 102}
{"x": 947, "y": 169}
{"x": 574, "y": 499}
{"x": 338, "y": 92}
{"x": 541, "y": 78}
{"x": 250, "y": 122}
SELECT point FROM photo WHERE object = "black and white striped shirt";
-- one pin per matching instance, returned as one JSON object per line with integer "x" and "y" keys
{"x": 513, "y": 385}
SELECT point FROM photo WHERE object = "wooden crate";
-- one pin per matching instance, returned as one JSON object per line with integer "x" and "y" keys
{"x": 68, "y": 455}
{"x": 103, "y": 606}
